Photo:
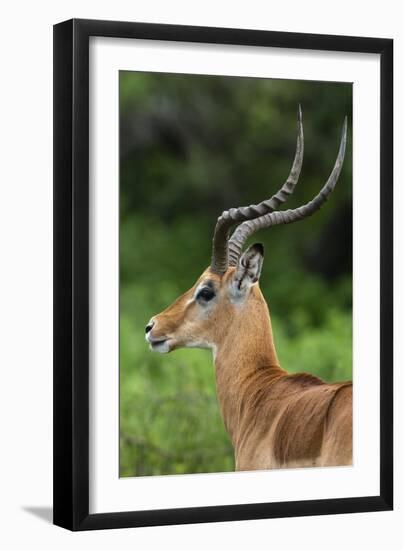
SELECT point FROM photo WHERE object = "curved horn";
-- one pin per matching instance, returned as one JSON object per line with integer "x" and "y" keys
{"x": 246, "y": 229}
{"x": 219, "y": 260}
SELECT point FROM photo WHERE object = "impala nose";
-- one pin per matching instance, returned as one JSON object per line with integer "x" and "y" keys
{"x": 149, "y": 326}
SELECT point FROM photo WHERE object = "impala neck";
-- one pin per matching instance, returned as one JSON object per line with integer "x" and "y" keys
{"x": 242, "y": 355}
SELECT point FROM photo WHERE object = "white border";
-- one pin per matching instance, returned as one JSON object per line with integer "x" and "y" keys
{"x": 108, "y": 493}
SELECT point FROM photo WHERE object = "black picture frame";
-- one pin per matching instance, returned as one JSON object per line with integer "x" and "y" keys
{"x": 71, "y": 274}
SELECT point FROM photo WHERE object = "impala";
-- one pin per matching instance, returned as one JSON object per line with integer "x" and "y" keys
{"x": 274, "y": 419}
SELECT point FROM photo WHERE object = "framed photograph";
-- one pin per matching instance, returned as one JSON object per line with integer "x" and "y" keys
{"x": 223, "y": 319}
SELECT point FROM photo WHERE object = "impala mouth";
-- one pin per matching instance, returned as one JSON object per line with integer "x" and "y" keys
{"x": 160, "y": 345}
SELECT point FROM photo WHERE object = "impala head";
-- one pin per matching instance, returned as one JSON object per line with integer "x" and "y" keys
{"x": 201, "y": 315}
{"x": 228, "y": 290}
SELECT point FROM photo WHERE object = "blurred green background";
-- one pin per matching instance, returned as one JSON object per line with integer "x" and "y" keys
{"x": 190, "y": 147}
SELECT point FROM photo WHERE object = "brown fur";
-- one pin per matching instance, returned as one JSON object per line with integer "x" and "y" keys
{"x": 274, "y": 419}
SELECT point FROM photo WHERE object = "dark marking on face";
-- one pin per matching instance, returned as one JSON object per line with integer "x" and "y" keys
{"x": 240, "y": 281}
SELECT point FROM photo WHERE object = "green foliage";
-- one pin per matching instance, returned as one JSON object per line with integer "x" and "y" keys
{"x": 170, "y": 421}
{"x": 192, "y": 146}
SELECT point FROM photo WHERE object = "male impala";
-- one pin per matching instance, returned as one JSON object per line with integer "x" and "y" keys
{"x": 274, "y": 419}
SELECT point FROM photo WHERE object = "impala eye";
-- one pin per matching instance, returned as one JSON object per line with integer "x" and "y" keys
{"x": 206, "y": 294}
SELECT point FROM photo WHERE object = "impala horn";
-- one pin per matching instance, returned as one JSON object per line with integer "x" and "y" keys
{"x": 255, "y": 217}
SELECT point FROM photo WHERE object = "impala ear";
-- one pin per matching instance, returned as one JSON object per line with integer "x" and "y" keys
{"x": 248, "y": 269}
